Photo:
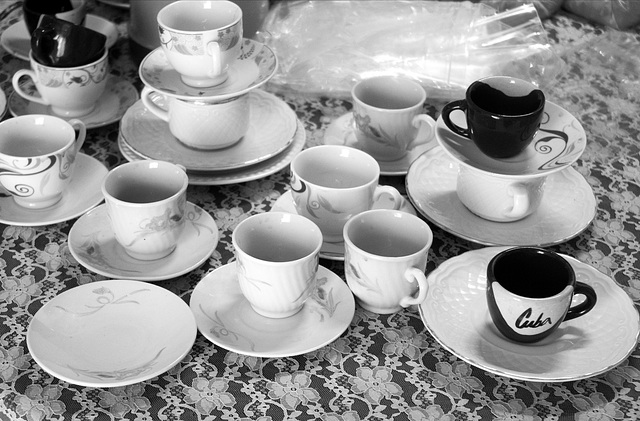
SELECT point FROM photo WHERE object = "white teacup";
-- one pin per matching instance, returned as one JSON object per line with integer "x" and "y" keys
{"x": 145, "y": 203}
{"x": 201, "y": 125}
{"x": 277, "y": 257}
{"x": 385, "y": 259}
{"x": 331, "y": 183}
{"x": 37, "y": 157}
{"x": 70, "y": 91}
{"x": 388, "y": 115}
{"x": 201, "y": 39}
{"x": 499, "y": 197}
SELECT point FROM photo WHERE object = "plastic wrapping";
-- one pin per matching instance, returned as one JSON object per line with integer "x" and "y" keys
{"x": 324, "y": 47}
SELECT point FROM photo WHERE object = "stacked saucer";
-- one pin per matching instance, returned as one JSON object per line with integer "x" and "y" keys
{"x": 273, "y": 137}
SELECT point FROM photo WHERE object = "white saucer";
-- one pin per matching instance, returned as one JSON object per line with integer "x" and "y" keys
{"x": 560, "y": 141}
{"x": 119, "y": 95}
{"x": 17, "y": 42}
{"x": 111, "y": 333}
{"x": 342, "y": 132}
{"x": 255, "y": 65}
{"x": 93, "y": 244}
{"x": 82, "y": 194}
{"x": 455, "y": 313}
{"x": 3, "y": 104}
{"x": 335, "y": 251}
{"x": 271, "y": 131}
{"x": 253, "y": 172}
{"x": 226, "y": 318}
{"x": 568, "y": 206}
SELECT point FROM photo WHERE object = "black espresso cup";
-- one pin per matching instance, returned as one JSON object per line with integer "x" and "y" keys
{"x": 503, "y": 115}
{"x": 530, "y": 291}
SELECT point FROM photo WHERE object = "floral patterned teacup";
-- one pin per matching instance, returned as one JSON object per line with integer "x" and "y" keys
{"x": 37, "y": 158}
{"x": 145, "y": 203}
{"x": 201, "y": 39}
{"x": 385, "y": 259}
{"x": 277, "y": 256}
{"x": 332, "y": 183}
{"x": 70, "y": 91}
{"x": 388, "y": 116}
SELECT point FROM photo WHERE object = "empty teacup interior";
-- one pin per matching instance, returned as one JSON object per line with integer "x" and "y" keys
{"x": 58, "y": 43}
{"x": 504, "y": 96}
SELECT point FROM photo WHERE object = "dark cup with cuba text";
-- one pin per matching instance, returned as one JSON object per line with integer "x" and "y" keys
{"x": 530, "y": 293}
{"x": 503, "y": 115}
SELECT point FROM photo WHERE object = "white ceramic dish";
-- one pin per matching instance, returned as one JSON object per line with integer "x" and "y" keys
{"x": 455, "y": 312}
{"x": 342, "y": 132}
{"x": 17, "y": 42}
{"x": 93, "y": 244}
{"x": 3, "y": 104}
{"x": 559, "y": 142}
{"x": 226, "y": 318}
{"x": 111, "y": 333}
{"x": 335, "y": 251}
{"x": 568, "y": 206}
{"x": 119, "y": 95}
{"x": 271, "y": 130}
{"x": 253, "y": 172}
{"x": 82, "y": 194}
{"x": 255, "y": 65}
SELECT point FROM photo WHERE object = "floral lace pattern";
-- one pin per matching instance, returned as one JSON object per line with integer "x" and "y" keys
{"x": 382, "y": 367}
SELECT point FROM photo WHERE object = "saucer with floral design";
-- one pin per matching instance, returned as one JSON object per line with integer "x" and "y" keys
{"x": 226, "y": 318}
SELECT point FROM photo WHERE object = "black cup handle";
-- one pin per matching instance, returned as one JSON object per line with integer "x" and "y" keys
{"x": 585, "y": 306}
{"x": 448, "y": 109}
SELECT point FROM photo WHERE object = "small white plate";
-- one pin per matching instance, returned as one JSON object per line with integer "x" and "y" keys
{"x": 3, "y": 104}
{"x": 456, "y": 314}
{"x": 119, "y": 95}
{"x": 226, "y": 318}
{"x": 94, "y": 246}
{"x": 255, "y": 65}
{"x": 82, "y": 194}
{"x": 17, "y": 42}
{"x": 111, "y": 333}
{"x": 342, "y": 132}
{"x": 568, "y": 206}
{"x": 335, "y": 251}
{"x": 271, "y": 130}
{"x": 559, "y": 142}
{"x": 253, "y": 172}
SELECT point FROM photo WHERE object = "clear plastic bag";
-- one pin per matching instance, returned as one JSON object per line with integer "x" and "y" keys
{"x": 324, "y": 47}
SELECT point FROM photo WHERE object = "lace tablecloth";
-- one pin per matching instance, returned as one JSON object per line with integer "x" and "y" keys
{"x": 381, "y": 367}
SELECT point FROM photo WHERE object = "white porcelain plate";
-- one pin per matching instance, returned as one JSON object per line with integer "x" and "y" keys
{"x": 568, "y": 206}
{"x": 3, "y": 104}
{"x": 82, "y": 194}
{"x": 456, "y": 314}
{"x": 558, "y": 143}
{"x": 255, "y": 65}
{"x": 17, "y": 42}
{"x": 335, "y": 251}
{"x": 111, "y": 333}
{"x": 226, "y": 318}
{"x": 119, "y": 95}
{"x": 342, "y": 132}
{"x": 93, "y": 244}
{"x": 271, "y": 130}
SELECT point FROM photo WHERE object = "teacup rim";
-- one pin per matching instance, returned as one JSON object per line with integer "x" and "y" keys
{"x": 103, "y": 57}
{"x": 70, "y": 142}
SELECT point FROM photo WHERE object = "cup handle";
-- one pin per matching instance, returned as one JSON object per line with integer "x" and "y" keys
{"x": 397, "y": 198}
{"x": 521, "y": 202}
{"x": 16, "y": 86}
{"x": 411, "y": 275}
{"x": 146, "y": 96}
{"x": 213, "y": 49}
{"x": 585, "y": 306}
{"x": 79, "y": 126}
{"x": 423, "y": 120}
{"x": 446, "y": 112}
